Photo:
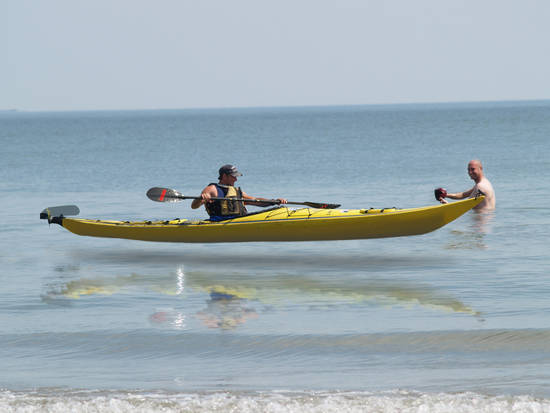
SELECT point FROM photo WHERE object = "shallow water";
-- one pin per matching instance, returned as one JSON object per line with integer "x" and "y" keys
{"x": 456, "y": 319}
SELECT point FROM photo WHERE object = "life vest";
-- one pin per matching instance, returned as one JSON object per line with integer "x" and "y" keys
{"x": 227, "y": 207}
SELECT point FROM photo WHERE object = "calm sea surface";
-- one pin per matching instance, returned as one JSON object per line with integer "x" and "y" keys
{"x": 454, "y": 320}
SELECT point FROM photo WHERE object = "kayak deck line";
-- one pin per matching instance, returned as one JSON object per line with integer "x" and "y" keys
{"x": 288, "y": 218}
{"x": 289, "y": 212}
{"x": 279, "y": 224}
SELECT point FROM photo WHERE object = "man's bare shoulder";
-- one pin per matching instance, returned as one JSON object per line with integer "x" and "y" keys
{"x": 485, "y": 186}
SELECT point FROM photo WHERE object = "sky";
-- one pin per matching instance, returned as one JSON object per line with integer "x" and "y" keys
{"x": 175, "y": 54}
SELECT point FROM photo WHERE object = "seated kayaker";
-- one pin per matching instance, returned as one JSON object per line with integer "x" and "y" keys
{"x": 225, "y": 188}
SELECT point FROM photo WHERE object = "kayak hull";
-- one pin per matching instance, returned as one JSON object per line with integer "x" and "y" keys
{"x": 282, "y": 224}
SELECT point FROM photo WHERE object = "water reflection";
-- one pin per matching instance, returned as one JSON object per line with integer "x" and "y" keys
{"x": 169, "y": 317}
{"x": 230, "y": 296}
{"x": 303, "y": 289}
{"x": 76, "y": 289}
{"x": 473, "y": 237}
{"x": 226, "y": 311}
{"x": 482, "y": 221}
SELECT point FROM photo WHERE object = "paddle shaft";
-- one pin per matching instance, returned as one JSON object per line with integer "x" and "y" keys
{"x": 259, "y": 201}
{"x": 167, "y": 195}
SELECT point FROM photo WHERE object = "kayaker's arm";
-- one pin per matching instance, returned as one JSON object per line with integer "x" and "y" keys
{"x": 207, "y": 193}
{"x": 246, "y": 196}
{"x": 456, "y": 195}
{"x": 460, "y": 195}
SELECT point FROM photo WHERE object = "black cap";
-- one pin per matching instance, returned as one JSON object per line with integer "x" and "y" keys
{"x": 229, "y": 170}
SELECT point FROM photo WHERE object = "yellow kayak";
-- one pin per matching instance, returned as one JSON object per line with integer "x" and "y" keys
{"x": 277, "y": 224}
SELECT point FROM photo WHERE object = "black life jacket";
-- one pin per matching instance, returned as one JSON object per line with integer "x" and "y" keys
{"x": 227, "y": 207}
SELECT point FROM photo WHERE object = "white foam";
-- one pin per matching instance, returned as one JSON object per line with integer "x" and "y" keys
{"x": 276, "y": 402}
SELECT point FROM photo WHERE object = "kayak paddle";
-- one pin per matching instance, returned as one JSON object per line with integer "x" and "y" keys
{"x": 170, "y": 195}
{"x": 58, "y": 211}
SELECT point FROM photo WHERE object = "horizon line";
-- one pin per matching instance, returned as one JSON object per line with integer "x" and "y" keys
{"x": 260, "y": 107}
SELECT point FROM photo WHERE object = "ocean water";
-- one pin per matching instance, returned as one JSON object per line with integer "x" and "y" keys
{"x": 455, "y": 320}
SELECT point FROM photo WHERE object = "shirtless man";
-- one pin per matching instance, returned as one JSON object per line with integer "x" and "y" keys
{"x": 482, "y": 187}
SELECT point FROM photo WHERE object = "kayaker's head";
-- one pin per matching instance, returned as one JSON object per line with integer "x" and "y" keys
{"x": 475, "y": 170}
{"x": 228, "y": 174}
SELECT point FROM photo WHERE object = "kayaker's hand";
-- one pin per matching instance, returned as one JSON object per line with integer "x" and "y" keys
{"x": 282, "y": 200}
{"x": 440, "y": 194}
{"x": 205, "y": 197}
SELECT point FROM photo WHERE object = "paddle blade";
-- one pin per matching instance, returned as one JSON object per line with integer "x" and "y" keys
{"x": 319, "y": 205}
{"x": 57, "y": 211}
{"x": 164, "y": 195}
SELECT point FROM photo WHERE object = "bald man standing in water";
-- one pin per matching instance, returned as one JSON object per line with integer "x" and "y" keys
{"x": 482, "y": 187}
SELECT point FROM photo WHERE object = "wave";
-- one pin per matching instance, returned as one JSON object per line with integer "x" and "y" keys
{"x": 163, "y": 344}
{"x": 55, "y": 400}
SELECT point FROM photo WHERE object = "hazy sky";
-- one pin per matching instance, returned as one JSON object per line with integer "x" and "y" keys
{"x": 136, "y": 54}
